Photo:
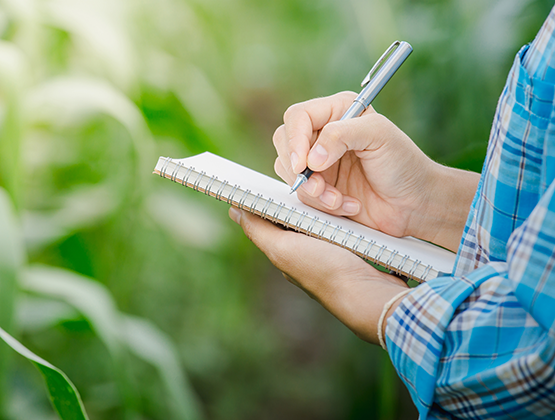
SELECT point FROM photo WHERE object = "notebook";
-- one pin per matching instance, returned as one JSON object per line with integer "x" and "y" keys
{"x": 269, "y": 198}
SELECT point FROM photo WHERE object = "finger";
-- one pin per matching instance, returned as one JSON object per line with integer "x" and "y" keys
{"x": 336, "y": 138}
{"x": 287, "y": 175}
{"x": 281, "y": 144}
{"x": 317, "y": 193}
{"x": 332, "y": 201}
{"x": 303, "y": 119}
{"x": 315, "y": 186}
{"x": 280, "y": 246}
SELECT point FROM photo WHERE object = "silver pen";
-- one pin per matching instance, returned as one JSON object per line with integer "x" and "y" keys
{"x": 372, "y": 84}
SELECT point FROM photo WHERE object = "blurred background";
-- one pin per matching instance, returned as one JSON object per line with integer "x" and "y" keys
{"x": 144, "y": 293}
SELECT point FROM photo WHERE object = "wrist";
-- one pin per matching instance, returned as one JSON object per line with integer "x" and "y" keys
{"x": 445, "y": 205}
{"x": 387, "y": 311}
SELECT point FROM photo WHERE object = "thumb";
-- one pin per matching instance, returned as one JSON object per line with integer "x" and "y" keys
{"x": 264, "y": 234}
{"x": 365, "y": 133}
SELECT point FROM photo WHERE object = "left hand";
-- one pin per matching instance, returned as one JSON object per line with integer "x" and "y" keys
{"x": 348, "y": 287}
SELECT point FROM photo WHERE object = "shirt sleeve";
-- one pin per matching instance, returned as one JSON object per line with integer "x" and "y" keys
{"x": 483, "y": 345}
{"x": 531, "y": 260}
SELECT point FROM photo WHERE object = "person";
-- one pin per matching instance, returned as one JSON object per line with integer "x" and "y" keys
{"x": 479, "y": 343}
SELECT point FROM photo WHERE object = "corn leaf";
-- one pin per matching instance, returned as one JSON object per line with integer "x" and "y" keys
{"x": 117, "y": 331}
{"x": 63, "y": 394}
{"x": 153, "y": 346}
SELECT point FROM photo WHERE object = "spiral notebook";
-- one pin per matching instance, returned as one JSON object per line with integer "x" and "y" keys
{"x": 269, "y": 198}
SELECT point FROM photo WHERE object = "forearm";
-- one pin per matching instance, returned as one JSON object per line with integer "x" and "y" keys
{"x": 442, "y": 215}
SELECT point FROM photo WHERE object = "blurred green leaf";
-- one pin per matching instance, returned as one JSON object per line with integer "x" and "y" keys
{"x": 12, "y": 253}
{"x": 13, "y": 78}
{"x": 12, "y": 258}
{"x": 63, "y": 394}
{"x": 102, "y": 38}
{"x": 87, "y": 296}
{"x": 81, "y": 208}
{"x": 35, "y": 313}
{"x": 117, "y": 331}
{"x": 154, "y": 347}
{"x": 168, "y": 118}
{"x": 70, "y": 101}
{"x": 201, "y": 228}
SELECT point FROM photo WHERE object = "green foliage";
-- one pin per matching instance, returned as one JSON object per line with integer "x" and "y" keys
{"x": 64, "y": 396}
{"x": 152, "y": 302}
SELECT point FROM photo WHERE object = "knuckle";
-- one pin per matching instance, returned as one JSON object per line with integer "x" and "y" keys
{"x": 278, "y": 255}
{"x": 278, "y": 134}
{"x": 277, "y": 167}
{"x": 345, "y": 95}
{"x": 245, "y": 225}
{"x": 292, "y": 110}
{"x": 330, "y": 133}
{"x": 378, "y": 119}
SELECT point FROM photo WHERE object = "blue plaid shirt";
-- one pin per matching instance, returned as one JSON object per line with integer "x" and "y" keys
{"x": 481, "y": 343}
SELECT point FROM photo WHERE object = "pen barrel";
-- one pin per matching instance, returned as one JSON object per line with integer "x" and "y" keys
{"x": 354, "y": 110}
{"x": 385, "y": 72}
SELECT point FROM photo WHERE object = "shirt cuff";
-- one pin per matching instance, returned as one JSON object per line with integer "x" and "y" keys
{"x": 415, "y": 331}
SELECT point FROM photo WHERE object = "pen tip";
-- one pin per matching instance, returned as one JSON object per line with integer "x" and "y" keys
{"x": 300, "y": 180}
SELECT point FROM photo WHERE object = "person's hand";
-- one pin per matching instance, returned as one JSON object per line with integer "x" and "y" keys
{"x": 348, "y": 287}
{"x": 369, "y": 170}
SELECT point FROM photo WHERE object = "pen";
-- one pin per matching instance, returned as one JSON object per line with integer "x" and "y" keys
{"x": 372, "y": 84}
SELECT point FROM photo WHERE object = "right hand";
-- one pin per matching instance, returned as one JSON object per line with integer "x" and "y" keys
{"x": 367, "y": 169}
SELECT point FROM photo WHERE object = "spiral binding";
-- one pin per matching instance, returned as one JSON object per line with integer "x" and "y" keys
{"x": 264, "y": 212}
{"x": 176, "y": 170}
{"x": 366, "y": 252}
{"x": 211, "y": 181}
{"x": 300, "y": 221}
{"x": 164, "y": 167}
{"x": 196, "y": 184}
{"x": 241, "y": 203}
{"x": 232, "y": 194}
{"x": 255, "y": 202}
{"x": 346, "y": 239}
{"x": 402, "y": 263}
{"x": 310, "y": 227}
{"x": 380, "y": 253}
{"x": 220, "y": 191}
{"x": 334, "y": 233}
{"x": 174, "y": 174}
{"x": 413, "y": 268}
{"x": 277, "y": 212}
{"x": 323, "y": 229}
{"x": 287, "y": 219}
{"x": 427, "y": 271}
{"x": 357, "y": 243}
{"x": 389, "y": 261}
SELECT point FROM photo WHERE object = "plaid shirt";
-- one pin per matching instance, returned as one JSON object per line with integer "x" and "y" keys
{"x": 481, "y": 343}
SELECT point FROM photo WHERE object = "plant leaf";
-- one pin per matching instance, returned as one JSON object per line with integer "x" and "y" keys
{"x": 87, "y": 296}
{"x": 12, "y": 257}
{"x": 63, "y": 394}
{"x": 116, "y": 330}
{"x": 70, "y": 101}
{"x": 153, "y": 346}
{"x": 13, "y": 72}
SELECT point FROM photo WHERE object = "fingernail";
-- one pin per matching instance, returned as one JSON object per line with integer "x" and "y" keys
{"x": 294, "y": 160}
{"x": 310, "y": 186}
{"x": 351, "y": 207}
{"x": 235, "y": 215}
{"x": 328, "y": 198}
{"x": 318, "y": 156}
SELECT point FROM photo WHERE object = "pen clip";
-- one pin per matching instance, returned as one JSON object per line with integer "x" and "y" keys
{"x": 379, "y": 63}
